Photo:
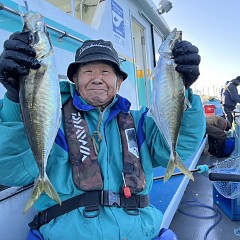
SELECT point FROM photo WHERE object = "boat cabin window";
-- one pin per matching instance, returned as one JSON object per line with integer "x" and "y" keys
{"x": 158, "y": 39}
{"x": 84, "y": 10}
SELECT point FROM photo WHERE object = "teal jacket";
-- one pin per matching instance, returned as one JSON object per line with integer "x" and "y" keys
{"x": 17, "y": 167}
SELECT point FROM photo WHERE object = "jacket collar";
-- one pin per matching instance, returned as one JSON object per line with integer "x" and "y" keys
{"x": 118, "y": 104}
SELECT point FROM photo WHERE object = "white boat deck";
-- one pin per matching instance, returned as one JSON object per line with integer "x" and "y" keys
{"x": 13, "y": 223}
{"x": 167, "y": 196}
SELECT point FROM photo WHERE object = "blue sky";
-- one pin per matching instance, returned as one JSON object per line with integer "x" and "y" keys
{"x": 214, "y": 27}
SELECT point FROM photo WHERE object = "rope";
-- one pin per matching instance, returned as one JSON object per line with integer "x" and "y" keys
{"x": 97, "y": 134}
{"x": 196, "y": 203}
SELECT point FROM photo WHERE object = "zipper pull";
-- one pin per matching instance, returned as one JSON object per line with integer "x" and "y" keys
{"x": 126, "y": 189}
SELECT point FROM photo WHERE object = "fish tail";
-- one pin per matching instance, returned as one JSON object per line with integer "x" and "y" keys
{"x": 50, "y": 191}
{"x": 42, "y": 185}
{"x": 176, "y": 162}
{"x": 170, "y": 168}
{"x": 181, "y": 166}
{"x": 36, "y": 192}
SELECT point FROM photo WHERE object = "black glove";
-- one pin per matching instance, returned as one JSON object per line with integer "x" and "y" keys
{"x": 15, "y": 61}
{"x": 187, "y": 59}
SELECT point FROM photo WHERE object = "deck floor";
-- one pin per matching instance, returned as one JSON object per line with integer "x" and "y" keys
{"x": 199, "y": 192}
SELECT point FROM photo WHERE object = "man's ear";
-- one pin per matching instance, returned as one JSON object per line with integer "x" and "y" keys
{"x": 75, "y": 78}
{"x": 119, "y": 82}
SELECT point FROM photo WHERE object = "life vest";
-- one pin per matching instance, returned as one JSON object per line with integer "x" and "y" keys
{"x": 86, "y": 171}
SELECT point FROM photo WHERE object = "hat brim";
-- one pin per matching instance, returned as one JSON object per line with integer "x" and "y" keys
{"x": 72, "y": 68}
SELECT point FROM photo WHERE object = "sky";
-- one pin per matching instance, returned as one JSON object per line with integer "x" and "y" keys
{"x": 214, "y": 27}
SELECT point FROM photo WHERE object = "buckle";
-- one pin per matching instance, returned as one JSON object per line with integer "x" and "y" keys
{"x": 133, "y": 212}
{"x": 114, "y": 199}
{"x": 34, "y": 224}
{"x": 43, "y": 217}
{"x": 88, "y": 212}
{"x": 109, "y": 199}
{"x": 131, "y": 205}
{"x": 92, "y": 208}
{"x": 39, "y": 220}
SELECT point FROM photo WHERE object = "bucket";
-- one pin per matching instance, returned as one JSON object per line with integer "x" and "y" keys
{"x": 209, "y": 109}
{"x": 229, "y": 145}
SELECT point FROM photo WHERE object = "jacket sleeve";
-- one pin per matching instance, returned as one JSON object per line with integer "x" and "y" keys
{"x": 192, "y": 131}
{"x": 216, "y": 132}
{"x": 193, "y": 127}
{"x": 17, "y": 165}
{"x": 234, "y": 93}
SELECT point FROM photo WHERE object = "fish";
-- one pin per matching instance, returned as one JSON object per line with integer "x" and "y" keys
{"x": 40, "y": 103}
{"x": 169, "y": 102}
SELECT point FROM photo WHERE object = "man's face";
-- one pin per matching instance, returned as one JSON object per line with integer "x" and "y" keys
{"x": 97, "y": 83}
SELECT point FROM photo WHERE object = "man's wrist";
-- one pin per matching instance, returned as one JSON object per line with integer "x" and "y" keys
{"x": 13, "y": 95}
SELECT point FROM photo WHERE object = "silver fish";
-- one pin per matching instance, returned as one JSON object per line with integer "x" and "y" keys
{"x": 169, "y": 102}
{"x": 40, "y": 103}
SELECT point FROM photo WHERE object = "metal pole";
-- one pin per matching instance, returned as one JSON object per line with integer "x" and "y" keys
{"x": 61, "y": 33}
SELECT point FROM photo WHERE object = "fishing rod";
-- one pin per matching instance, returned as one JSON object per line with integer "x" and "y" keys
{"x": 200, "y": 169}
{"x": 213, "y": 176}
{"x": 225, "y": 177}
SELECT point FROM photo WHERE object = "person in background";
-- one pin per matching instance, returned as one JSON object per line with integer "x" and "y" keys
{"x": 222, "y": 89}
{"x": 230, "y": 98}
{"x": 215, "y": 128}
{"x": 95, "y": 204}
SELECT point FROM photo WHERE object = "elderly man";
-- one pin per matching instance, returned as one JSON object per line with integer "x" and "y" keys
{"x": 106, "y": 195}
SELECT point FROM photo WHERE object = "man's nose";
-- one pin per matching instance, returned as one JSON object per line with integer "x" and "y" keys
{"x": 97, "y": 76}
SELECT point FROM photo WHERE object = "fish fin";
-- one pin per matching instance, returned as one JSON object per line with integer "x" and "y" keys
{"x": 42, "y": 185}
{"x": 187, "y": 104}
{"x": 150, "y": 113}
{"x": 170, "y": 168}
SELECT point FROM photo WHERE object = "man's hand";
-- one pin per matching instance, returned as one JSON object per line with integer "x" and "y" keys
{"x": 187, "y": 59}
{"x": 15, "y": 61}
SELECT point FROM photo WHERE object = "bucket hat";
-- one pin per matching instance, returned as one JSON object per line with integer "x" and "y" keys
{"x": 95, "y": 50}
